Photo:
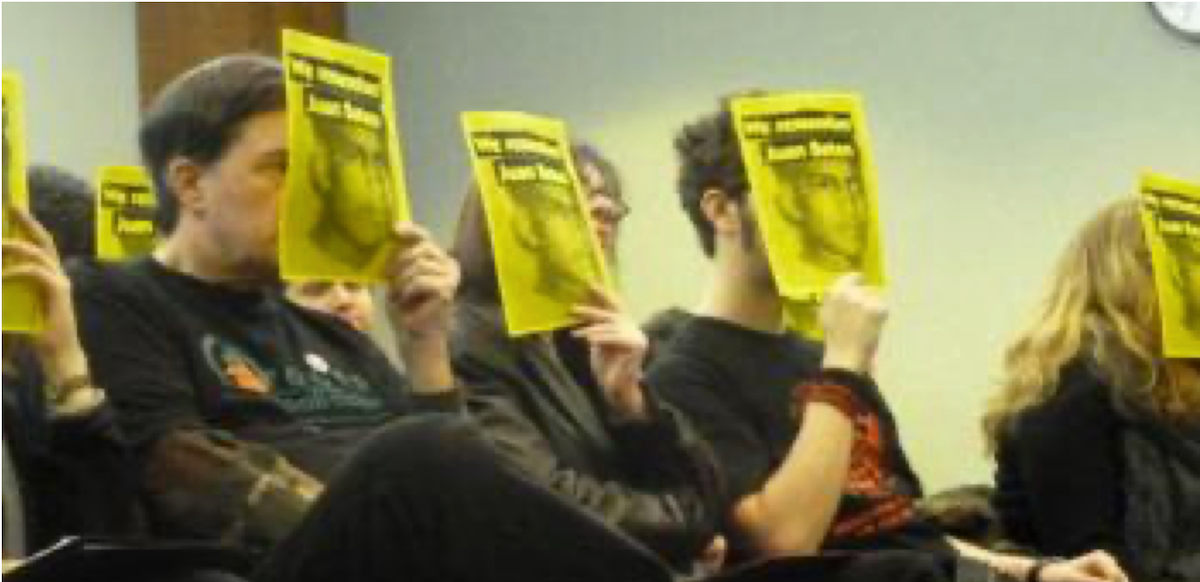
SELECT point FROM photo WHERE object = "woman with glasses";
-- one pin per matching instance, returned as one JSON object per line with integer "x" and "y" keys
{"x": 567, "y": 408}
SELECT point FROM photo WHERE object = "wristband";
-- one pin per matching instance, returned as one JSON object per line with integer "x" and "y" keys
{"x": 832, "y": 394}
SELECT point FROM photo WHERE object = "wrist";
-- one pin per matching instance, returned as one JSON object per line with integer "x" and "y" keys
{"x": 629, "y": 404}
{"x": 427, "y": 364}
{"x": 1038, "y": 567}
{"x": 73, "y": 396}
{"x": 422, "y": 340}
{"x": 60, "y": 365}
{"x": 849, "y": 360}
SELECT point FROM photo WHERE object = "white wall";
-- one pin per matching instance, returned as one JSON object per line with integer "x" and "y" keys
{"x": 79, "y": 65}
{"x": 998, "y": 128}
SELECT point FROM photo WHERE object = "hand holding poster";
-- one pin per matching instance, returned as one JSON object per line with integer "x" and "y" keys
{"x": 1171, "y": 221}
{"x": 812, "y": 182}
{"x": 125, "y": 208}
{"x": 22, "y": 307}
{"x": 545, "y": 249}
{"x": 345, "y": 189}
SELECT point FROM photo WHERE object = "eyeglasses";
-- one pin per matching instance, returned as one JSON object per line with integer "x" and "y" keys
{"x": 614, "y": 212}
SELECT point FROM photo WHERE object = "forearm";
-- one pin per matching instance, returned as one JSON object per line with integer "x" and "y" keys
{"x": 427, "y": 364}
{"x": 793, "y": 512}
{"x": 675, "y": 522}
{"x": 63, "y": 363}
{"x": 1016, "y": 567}
{"x": 70, "y": 390}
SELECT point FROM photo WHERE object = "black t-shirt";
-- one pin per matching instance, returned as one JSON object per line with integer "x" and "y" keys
{"x": 737, "y": 386}
{"x": 175, "y": 352}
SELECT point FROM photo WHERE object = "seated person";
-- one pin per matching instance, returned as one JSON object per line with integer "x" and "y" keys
{"x": 661, "y": 328}
{"x": 70, "y": 473}
{"x": 1096, "y": 433}
{"x": 258, "y": 421}
{"x": 806, "y": 441}
{"x": 567, "y": 407}
{"x": 348, "y": 301}
{"x": 65, "y": 463}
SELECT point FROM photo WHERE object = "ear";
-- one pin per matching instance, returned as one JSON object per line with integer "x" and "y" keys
{"x": 185, "y": 177}
{"x": 723, "y": 212}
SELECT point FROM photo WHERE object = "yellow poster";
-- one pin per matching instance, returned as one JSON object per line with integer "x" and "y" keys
{"x": 22, "y": 307}
{"x": 546, "y": 251}
{"x": 1171, "y": 220}
{"x": 813, "y": 188}
{"x": 125, "y": 207}
{"x": 345, "y": 188}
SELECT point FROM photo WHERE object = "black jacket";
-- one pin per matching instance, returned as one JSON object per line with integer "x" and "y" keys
{"x": 537, "y": 401}
{"x": 1085, "y": 470}
{"x": 75, "y": 474}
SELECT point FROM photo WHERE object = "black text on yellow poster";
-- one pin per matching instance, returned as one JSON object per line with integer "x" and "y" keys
{"x": 345, "y": 187}
{"x": 125, "y": 208}
{"x": 813, "y": 188}
{"x": 1171, "y": 220}
{"x": 22, "y": 307}
{"x": 546, "y": 252}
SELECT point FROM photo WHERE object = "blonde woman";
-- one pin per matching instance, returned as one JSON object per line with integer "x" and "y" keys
{"x": 1097, "y": 435}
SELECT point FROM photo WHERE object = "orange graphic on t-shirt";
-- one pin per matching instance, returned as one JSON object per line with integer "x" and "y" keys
{"x": 243, "y": 377}
{"x": 867, "y": 476}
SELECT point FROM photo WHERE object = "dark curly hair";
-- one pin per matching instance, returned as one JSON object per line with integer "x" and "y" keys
{"x": 66, "y": 207}
{"x": 710, "y": 159}
{"x": 200, "y": 114}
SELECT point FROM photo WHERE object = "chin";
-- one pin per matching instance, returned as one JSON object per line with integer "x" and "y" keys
{"x": 266, "y": 272}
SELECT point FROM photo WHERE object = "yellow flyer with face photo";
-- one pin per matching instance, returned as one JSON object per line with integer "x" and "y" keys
{"x": 125, "y": 208}
{"x": 546, "y": 252}
{"x": 1171, "y": 221}
{"x": 813, "y": 188}
{"x": 345, "y": 185}
{"x": 22, "y": 306}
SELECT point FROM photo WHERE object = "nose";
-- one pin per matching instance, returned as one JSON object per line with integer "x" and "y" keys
{"x": 341, "y": 296}
{"x": 603, "y": 210}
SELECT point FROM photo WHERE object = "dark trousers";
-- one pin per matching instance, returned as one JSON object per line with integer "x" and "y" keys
{"x": 426, "y": 500}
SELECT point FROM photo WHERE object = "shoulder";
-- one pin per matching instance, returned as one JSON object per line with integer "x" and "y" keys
{"x": 691, "y": 375}
{"x": 1080, "y": 390}
{"x": 478, "y": 333}
{"x": 808, "y": 353}
{"x": 91, "y": 277}
{"x": 1082, "y": 404}
{"x": 105, "y": 294}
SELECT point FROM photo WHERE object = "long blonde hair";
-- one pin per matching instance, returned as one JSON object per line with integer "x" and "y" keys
{"x": 1101, "y": 306}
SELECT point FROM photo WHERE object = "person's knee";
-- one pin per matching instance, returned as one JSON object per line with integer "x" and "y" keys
{"x": 433, "y": 444}
{"x": 426, "y": 432}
